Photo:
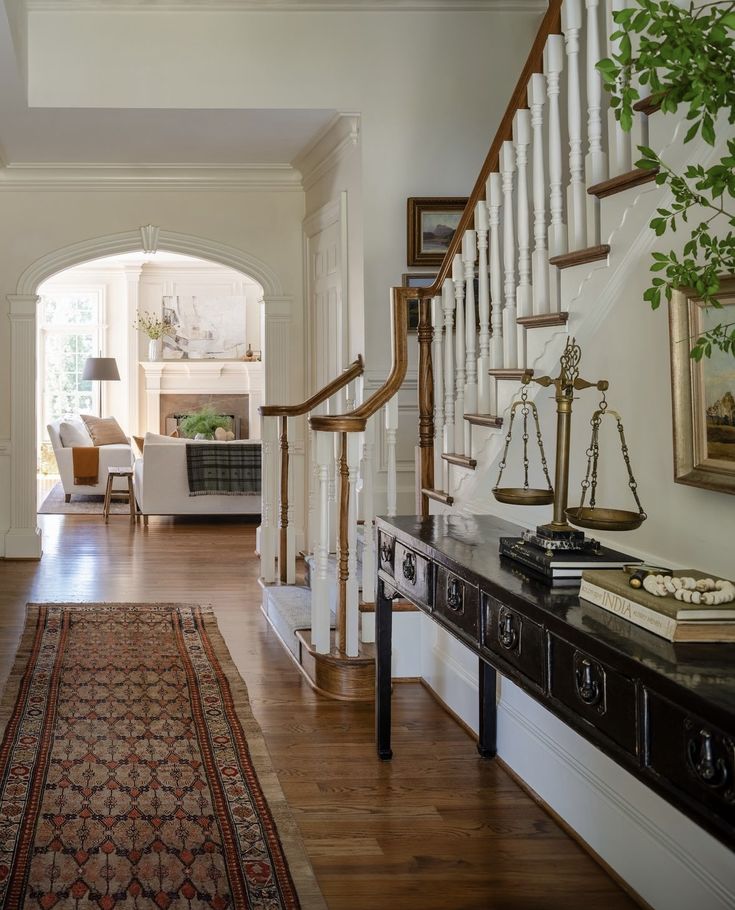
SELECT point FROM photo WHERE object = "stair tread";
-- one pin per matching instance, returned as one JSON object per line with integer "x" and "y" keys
{"x": 484, "y": 420}
{"x": 464, "y": 461}
{"x": 622, "y": 182}
{"x": 399, "y": 606}
{"x": 543, "y": 319}
{"x": 288, "y": 608}
{"x": 581, "y": 257}
{"x": 510, "y": 373}
{"x": 438, "y": 496}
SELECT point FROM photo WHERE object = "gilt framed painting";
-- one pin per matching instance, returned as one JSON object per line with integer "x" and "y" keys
{"x": 432, "y": 221}
{"x": 703, "y": 393}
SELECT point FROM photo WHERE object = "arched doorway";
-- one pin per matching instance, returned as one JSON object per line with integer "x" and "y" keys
{"x": 23, "y": 540}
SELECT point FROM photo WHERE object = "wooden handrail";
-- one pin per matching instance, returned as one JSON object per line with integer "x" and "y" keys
{"x": 355, "y": 421}
{"x": 355, "y": 369}
{"x": 550, "y": 24}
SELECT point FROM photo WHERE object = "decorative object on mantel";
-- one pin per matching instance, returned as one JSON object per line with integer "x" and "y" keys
{"x": 702, "y": 394}
{"x": 540, "y": 549}
{"x": 685, "y": 605}
{"x": 431, "y": 222}
{"x": 155, "y": 329}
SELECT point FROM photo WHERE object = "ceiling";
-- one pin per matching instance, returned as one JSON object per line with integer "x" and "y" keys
{"x": 141, "y": 137}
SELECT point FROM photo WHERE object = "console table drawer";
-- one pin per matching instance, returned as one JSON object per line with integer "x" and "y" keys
{"x": 594, "y": 692}
{"x": 515, "y": 638}
{"x": 386, "y": 552}
{"x": 457, "y": 602}
{"x": 412, "y": 573}
{"x": 692, "y": 755}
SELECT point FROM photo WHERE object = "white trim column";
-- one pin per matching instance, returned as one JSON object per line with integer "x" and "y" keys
{"x": 23, "y": 539}
{"x": 132, "y": 290}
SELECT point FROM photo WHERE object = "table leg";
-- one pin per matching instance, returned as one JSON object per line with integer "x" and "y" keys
{"x": 108, "y": 495}
{"x": 383, "y": 638}
{"x": 487, "y": 740}
{"x": 131, "y": 500}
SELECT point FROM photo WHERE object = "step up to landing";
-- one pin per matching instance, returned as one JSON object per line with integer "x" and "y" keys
{"x": 288, "y": 610}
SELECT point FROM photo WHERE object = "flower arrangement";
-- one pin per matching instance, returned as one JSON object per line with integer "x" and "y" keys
{"x": 152, "y": 326}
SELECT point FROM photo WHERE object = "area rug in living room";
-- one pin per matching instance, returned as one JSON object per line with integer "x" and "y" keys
{"x": 54, "y": 504}
{"x": 132, "y": 771}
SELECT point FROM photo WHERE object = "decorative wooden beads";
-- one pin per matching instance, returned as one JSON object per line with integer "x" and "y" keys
{"x": 706, "y": 591}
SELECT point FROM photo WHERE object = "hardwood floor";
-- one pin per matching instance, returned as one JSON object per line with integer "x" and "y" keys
{"x": 438, "y": 828}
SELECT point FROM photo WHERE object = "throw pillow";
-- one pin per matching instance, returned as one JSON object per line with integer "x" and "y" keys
{"x": 105, "y": 431}
{"x": 74, "y": 433}
{"x": 157, "y": 437}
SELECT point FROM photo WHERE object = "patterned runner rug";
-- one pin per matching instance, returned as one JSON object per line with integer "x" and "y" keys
{"x": 133, "y": 774}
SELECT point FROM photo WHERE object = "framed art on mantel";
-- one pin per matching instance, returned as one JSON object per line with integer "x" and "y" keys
{"x": 703, "y": 393}
{"x": 432, "y": 221}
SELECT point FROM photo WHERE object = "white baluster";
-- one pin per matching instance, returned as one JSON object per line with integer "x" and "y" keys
{"x": 437, "y": 360}
{"x": 495, "y": 200}
{"x": 576, "y": 192}
{"x": 460, "y": 341}
{"x": 269, "y": 475}
{"x": 352, "y": 630}
{"x": 320, "y": 612}
{"x": 510, "y": 327}
{"x": 483, "y": 309}
{"x": 449, "y": 375}
{"x": 391, "y": 439}
{"x": 619, "y": 141}
{"x": 596, "y": 161}
{"x": 367, "y": 504}
{"x": 553, "y": 65}
{"x": 469, "y": 254}
{"x": 521, "y": 140}
{"x": 540, "y": 261}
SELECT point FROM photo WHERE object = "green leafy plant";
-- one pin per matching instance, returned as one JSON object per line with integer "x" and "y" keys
{"x": 684, "y": 56}
{"x": 204, "y": 423}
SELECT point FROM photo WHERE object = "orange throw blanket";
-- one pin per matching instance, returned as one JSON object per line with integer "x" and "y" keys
{"x": 86, "y": 462}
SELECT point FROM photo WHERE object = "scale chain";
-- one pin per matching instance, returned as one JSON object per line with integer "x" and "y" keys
{"x": 632, "y": 483}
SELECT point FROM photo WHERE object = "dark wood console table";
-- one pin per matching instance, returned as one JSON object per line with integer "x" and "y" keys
{"x": 666, "y": 713}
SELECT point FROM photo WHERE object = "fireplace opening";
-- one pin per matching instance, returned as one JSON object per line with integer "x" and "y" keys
{"x": 174, "y": 408}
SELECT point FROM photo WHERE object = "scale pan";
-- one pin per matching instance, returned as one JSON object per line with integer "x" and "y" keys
{"x": 520, "y": 496}
{"x": 605, "y": 519}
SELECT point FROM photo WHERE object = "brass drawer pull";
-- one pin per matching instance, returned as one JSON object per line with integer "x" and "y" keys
{"x": 409, "y": 567}
{"x": 704, "y": 764}
{"x": 455, "y": 599}
{"x": 507, "y": 632}
{"x": 586, "y": 678}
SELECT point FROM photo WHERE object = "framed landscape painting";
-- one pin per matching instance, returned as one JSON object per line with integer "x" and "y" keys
{"x": 432, "y": 221}
{"x": 703, "y": 393}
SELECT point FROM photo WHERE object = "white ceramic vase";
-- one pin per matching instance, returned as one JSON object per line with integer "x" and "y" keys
{"x": 155, "y": 347}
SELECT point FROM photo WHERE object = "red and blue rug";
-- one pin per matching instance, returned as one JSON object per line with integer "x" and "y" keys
{"x": 133, "y": 774}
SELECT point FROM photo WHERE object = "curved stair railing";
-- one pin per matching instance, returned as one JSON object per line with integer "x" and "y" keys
{"x": 534, "y": 210}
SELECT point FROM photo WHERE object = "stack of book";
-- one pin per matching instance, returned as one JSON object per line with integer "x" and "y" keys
{"x": 562, "y": 567}
{"x": 665, "y": 616}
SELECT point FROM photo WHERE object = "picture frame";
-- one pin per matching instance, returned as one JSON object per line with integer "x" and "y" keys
{"x": 431, "y": 223}
{"x": 702, "y": 393}
{"x": 416, "y": 280}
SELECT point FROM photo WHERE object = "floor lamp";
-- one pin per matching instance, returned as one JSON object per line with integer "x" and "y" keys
{"x": 101, "y": 369}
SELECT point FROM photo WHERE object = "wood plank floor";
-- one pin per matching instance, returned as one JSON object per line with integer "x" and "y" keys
{"x": 437, "y": 828}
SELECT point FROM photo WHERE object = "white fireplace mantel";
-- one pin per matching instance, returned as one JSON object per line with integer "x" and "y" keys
{"x": 202, "y": 377}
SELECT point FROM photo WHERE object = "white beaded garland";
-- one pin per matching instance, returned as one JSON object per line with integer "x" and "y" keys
{"x": 691, "y": 590}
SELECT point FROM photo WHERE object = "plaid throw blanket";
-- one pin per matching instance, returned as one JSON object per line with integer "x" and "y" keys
{"x": 223, "y": 469}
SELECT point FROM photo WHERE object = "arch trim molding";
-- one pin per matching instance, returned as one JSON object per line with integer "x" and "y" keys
{"x": 130, "y": 241}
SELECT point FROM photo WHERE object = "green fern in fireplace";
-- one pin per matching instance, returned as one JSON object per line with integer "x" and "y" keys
{"x": 204, "y": 423}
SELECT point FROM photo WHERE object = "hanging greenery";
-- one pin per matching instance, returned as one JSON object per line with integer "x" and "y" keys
{"x": 684, "y": 56}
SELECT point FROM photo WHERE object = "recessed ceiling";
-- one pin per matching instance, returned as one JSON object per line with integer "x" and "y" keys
{"x": 143, "y": 137}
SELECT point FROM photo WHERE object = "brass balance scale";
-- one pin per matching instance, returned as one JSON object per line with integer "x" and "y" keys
{"x": 558, "y": 534}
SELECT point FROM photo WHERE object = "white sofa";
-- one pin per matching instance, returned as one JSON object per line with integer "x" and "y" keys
{"x": 111, "y": 456}
{"x": 162, "y": 488}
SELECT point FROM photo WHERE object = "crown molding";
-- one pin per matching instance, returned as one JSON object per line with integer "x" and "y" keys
{"x": 278, "y": 6}
{"x": 331, "y": 144}
{"x": 149, "y": 177}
